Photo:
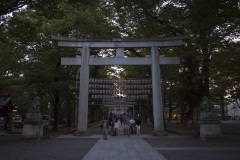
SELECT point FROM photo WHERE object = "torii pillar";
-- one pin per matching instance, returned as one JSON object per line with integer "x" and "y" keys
{"x": 157, "y": 94}
{"x": 120, "y": 43}
{"x": 83, "y": 94}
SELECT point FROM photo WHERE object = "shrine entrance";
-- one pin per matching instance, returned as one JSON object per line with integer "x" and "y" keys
{"x": 120, "y": 96}
{"x": 120, "y": 44}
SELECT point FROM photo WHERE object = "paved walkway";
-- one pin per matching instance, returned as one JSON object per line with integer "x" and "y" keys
{"x": 182, "y": 146}
{"x": 123, "y": 148}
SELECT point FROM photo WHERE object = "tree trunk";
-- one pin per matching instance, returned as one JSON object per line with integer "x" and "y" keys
{"x": 57, "y": 97}
{"x": 69, "y": 112}
{"x": 170, "y": 110}
{"x": 56, "y": 106}
{"x": 222, "y": 107}
{"x": 205, "y": 71}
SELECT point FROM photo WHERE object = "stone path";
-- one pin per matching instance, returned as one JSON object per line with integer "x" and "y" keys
{"x": 123, "y": 148}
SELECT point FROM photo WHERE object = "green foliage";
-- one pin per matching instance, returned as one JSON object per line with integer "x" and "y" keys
{"x": 10, "y": 6}
{"x": 30, "y": 61}
{"x": 224, "y": 70}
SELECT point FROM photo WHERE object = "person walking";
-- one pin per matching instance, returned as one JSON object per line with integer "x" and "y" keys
{"x": 132, "y": 126}
{"x": 110, "y": 125}
{"x": 138, "y": 123}
{"x": 105, "y": 129}
{"x": 126, "y": 127}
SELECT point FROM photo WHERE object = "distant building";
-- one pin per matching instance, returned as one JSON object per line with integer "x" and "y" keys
{"x": 6, "y": 110}
{"x": 234, "y": 109}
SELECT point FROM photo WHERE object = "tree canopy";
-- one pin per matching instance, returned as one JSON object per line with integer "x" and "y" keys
{"x": 30, "y": 60}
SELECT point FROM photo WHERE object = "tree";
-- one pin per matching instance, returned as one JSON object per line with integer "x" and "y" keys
{"x": 38, "y": 68}
{"x": 35, "y": 60}
{"x": 211, "y": 25}
{"x": 224, "y": 71}
{"x": 10, "y": 6}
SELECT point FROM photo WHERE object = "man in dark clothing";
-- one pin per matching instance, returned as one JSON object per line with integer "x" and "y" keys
{"x": 138, "y": 123}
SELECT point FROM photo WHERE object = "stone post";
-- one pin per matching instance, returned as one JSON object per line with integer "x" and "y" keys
{"x": 33, "y": 124}
{"x": 83, "y": 95}
{"x": 209, "y": 122}
{"x": 157, "y": 94}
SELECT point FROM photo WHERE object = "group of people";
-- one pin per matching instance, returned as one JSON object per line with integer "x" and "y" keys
{"x": 118, "y": 126}
{"x": 135, "y": 123}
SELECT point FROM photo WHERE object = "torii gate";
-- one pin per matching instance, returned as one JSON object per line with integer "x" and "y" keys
{"x": 120, "y": 43}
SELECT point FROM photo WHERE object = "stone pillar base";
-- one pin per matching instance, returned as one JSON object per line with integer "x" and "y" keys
{"x": 159, "y": 133}
{"x": 82, "y": 133}
{"x": 32, "y": 131}
{"x": 210, "y": 129}
{"x": 33, "y": 126}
